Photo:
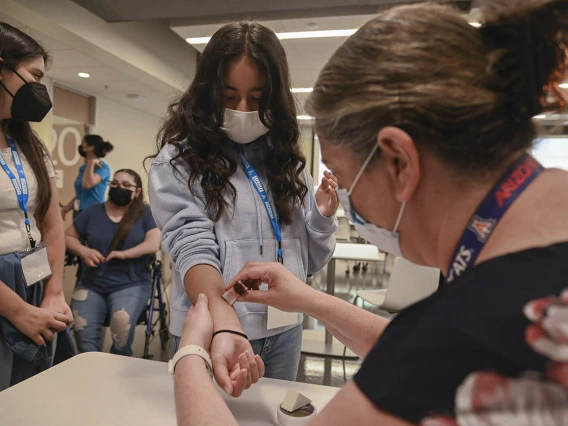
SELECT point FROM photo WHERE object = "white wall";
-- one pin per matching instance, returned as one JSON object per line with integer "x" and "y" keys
{"x": 132, "y": 132}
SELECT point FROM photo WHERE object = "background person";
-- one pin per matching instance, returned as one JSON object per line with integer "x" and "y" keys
{"x": 426, "y": 121}
{"x": 30, "y": 312}
{"x": 114, "y": 240}
{"x": 92, "y": 181}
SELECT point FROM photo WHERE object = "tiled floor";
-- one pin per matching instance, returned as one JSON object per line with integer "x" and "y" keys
{"x": 317, "y": 370}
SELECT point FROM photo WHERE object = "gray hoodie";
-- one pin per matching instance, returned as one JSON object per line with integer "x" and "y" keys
{"x": 242, "y": 234}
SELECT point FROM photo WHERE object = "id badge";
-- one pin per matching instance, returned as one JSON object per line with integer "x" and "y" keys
{"x": 35, "y": 264}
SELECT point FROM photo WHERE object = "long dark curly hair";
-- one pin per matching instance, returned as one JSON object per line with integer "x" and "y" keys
{"x": 16, "y": 47}
{"x": 197, "y": 115}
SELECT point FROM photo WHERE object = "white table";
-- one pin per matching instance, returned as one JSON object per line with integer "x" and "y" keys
{"x": 323, "y": 343}
{"x": 101, "y": 389}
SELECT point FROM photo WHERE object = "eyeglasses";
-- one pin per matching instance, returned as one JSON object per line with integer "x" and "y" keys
{"x": 125, "y": 185}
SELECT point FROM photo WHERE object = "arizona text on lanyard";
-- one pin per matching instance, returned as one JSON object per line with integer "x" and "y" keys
{"x": 484, "y": 221}
{"x": 20, "y": 186}
{"x": 270, "y": 211}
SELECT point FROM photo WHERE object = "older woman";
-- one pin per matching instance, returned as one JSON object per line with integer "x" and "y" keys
{"x": 426, "y": 121}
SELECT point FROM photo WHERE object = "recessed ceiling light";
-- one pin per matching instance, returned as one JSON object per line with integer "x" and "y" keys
{"x": 475, "y": 24}
{"x": 289, "y": 36}
{"x": 302, "y": 89}
{"x": 305, "y": 117}
{"x": 539, "y": 117}
{"x": 84, "y": 75}
{"x": 136, "y": 97}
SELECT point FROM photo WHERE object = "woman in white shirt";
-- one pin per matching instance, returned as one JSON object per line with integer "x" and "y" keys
{"x": 32, "y": 305}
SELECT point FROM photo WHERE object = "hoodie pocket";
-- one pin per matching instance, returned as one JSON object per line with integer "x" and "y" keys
{"x": 237, "y": 253}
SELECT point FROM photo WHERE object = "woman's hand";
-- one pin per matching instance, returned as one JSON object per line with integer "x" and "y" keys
{"x": 64, "y": 212}
{"x": 234, "y": 365}
{"x": 39, "y": 324}
{"x": 198, "y": 325}
{"x": 115, "y": 254}
{"x": 96, "y": 162}
{"x": 92, "y": 257}
{"x": 56, "y": 303}
{"x": 285, "y": 291}
{"x": 326, "y": 197}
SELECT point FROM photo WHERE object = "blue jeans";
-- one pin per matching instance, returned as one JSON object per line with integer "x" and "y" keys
{"x": 124, "y": 306}
{"x": 280, "y": 353}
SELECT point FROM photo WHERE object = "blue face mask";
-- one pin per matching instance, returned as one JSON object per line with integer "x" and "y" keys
{"x": 384, "y": 239}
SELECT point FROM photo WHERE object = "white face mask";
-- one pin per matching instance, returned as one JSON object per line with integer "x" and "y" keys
{"x": 243, "y": 127}
{"x": 382, "y": 238}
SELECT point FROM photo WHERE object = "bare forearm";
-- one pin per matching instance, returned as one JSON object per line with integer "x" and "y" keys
{"x": 140, "y": 250}
{"x": 74, "y": 246}
{"x": 10, "y": 303}
{"x": 90, "y": 178}
{"x": 55, "y": 242}
{"x": 206, "y": 279}
{"x": 356, "y": 328}
{"x": 198, "y": 402}
{"x": 69, "y": 206}
{"x": 54, "y": 238}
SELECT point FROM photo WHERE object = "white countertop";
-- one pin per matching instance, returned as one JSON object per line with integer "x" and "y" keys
{"x": 101, "y": 389}
{"x": 361, "y": 252}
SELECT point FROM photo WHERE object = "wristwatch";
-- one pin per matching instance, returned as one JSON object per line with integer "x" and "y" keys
{"x": 190, "y": 350}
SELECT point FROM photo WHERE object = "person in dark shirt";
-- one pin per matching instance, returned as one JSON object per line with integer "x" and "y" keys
{"x": 427, "y": 121}
{"x": 114, "y": 239}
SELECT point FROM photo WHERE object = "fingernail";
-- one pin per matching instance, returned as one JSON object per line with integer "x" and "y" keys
{"x": 201, "y": 296}
{"x": 227, "y": 391}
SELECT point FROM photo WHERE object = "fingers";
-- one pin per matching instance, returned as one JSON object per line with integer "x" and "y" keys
{"x": 260, "y": 364}
{"x": 58, "y": 325}
{"x": 48, "y": 335}
{"x": 255, "y": 374}
{"x": 329, "y": 181}
{"x": 240, "y": 383}
{"x": 245, "y": 365}
{"x": 202, "y": 302}
{"x": 251, "y": 271}
{"x": 69, "y": 316}
{"x": 38, "y": 340}
{"x": 244, "y": 378}
{"x": 330, "y": 176}
{"x": 261, "y": 297}
{"x": 58, "y": 316}
{"x": 99, "y": 256}
{"x": 222, "y": 375}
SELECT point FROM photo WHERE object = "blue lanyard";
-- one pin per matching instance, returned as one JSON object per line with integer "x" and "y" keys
{"x": 20, "y": 186}
{"x": 484, "y": 221}
{"x": 270, "y": 210}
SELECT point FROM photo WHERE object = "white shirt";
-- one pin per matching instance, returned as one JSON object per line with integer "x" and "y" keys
{"x": 13, "y": 235}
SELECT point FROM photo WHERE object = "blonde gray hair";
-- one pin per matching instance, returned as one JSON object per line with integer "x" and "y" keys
{"x": 466, "y": 93}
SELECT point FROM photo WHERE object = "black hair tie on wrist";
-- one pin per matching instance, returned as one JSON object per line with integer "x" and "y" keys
{"x": 238, "y": 333}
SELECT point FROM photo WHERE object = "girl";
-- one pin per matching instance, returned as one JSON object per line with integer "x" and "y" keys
{"x": 113, "y": 239}
{"x": 230, "y": 185}
{"x": 32, "y": 305}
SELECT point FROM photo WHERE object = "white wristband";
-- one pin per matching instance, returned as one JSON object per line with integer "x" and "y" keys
{"x": 190, "y": 350}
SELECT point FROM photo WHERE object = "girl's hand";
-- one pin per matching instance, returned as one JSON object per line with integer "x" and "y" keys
{"x": 326, "y": 197}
